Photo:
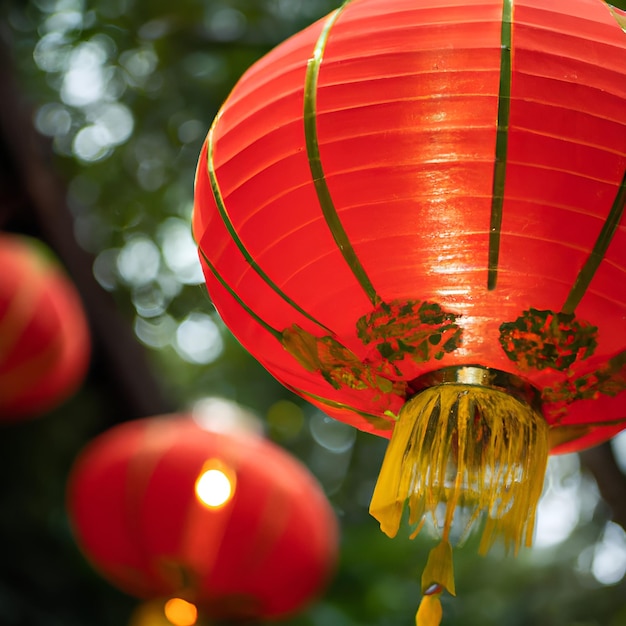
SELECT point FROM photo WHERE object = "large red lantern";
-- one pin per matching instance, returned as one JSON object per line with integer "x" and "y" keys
{"x": 412, "y": 214}
{"x": 44, "y": 336}
{"x": 226, "y": 521}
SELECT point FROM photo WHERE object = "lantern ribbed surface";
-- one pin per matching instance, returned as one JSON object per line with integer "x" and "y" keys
{"x": 149, "y": 515}
{"x": 44, "y": 335}
{"x": 407, "y": 186}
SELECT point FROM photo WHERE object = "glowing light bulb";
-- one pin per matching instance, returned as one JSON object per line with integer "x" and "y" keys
{"x": 215, "y": 487}
{"x": 180, "y": 612}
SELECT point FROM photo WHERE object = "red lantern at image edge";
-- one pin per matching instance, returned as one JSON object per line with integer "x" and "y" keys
{"x": 412, "y": 214}
{"x": 226, "y": 520}
{"x": 44, "y": 335}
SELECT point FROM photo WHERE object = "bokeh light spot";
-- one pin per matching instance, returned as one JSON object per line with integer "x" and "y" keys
{"x": 285, "y": 420}
{"x": 331, "y": 434}
{"x": 214, "y": 488}
{"x": 155, "y": 332}
{"x": 223, "y": 415}
{"x": 52, "y": 52}
{"x": 198, "y": 339}
{"x": 84, "y": 82}
{"x": 560, "y": 507}
{"x": 53, "y": 119}
{"x": 609, "y": 558}
{"x": 226, "y": 24}
{"x": 180, "y": 252}
{"x": 92, "y": 143}
{"x": 138, "y": 261}
{"x": 139, "y": 64}
{"x": 180, "y": 612}
{"x": 618, "y": 445}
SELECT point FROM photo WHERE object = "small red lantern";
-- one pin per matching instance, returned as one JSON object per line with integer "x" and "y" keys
{"x": 44, "y": 336}
{"x": 412, "y": 214}
{"x": 227, "y": 521}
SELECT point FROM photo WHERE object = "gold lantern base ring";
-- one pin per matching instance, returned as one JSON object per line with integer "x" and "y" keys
{"x": 471, "y": 446}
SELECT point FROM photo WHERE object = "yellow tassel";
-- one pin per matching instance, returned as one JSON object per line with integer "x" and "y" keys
{"x": 462, "y": 448}
{"x": 429, "y": 612}
{"x": 437, "y": 576}
{"x": 439, "y": 569}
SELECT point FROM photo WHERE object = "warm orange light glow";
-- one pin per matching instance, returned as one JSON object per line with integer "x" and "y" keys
{"x": 180, "y": 612}
{"x": 215, "y": 485}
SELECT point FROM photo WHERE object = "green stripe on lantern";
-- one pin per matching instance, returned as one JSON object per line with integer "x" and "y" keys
{"x": 620, "y": 17}
{"x": 239, "y": 301}
{"x": 221, "y": 207}
{"x": 502, "y": 138}
{"x": 586, "y": 274}
{"x": 315, "y": 163}
{"x": 376, "y": 421}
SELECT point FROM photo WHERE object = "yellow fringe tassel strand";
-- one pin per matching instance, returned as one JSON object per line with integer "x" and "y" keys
{"x": 467, "y": 453}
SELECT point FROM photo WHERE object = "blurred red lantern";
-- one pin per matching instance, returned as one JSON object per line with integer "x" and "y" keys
{"x": 227, "y": 521}
{"x": 412, "y": 214}
{"x": 44, "y": 337}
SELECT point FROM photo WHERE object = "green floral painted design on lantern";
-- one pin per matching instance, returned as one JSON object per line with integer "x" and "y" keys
{"x": 609, "y": 380}
{"x": 547, "y": 340}
{"x": 416, "y": 331}
{"x": 397, "y": 333}
{"x": 336, "y": 363}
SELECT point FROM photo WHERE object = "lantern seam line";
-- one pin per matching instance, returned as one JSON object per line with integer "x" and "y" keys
{"x": 588, "y": 270}
{"x": 221, "y": 207}
{"x": 502, "y": 137}
{"x": 575, "y": 141}
{"x": 315, "y": 164}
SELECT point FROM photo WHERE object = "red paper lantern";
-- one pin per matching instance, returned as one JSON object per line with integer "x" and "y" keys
{"x": 225, "y": 520}
{"x": 44, "y": 336}
{"x": 412, "y": 213}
